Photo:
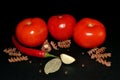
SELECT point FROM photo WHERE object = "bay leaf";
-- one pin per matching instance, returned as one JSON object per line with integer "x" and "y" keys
{"x": 52, "y": 66}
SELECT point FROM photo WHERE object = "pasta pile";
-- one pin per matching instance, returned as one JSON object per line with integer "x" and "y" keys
{"x": 15, "y": 56}
{"x": 61, "y": 44}
{"x": 64, "y": 44}
{"x": 100, "y": 55}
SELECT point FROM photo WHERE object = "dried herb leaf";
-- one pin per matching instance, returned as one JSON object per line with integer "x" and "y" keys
{"x": 52, "y": 65}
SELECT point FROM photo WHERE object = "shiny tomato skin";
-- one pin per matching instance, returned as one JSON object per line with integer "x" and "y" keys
{"x": 61, "y": 26}
{"x": 89, "y": 33}
{"x": 31, "y": 32}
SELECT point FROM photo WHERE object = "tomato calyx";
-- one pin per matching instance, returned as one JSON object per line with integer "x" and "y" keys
{"x": 90, "y": 25}
{"x": 28, "y": 23}
{"x": 60, "y": 16}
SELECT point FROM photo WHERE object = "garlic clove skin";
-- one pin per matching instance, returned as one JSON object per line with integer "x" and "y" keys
{"x": 67, "y": 59}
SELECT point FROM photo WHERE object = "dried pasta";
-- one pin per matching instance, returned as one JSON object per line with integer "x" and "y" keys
{"x": 64, "y": 44}
{"x": 100, "y": 50}
{"x": 54, "y": 45}
{"x": 8, "y": 50}
{"x": 100, "y": 55}
{"x": 104, "y": 62}
{"x": 96, "y": 50}
{"x": 105, "y": 55}
{"x": 12, "y": 52}
{"x": 18, "y": 59}
{"x": 15, "y": 55}
{"x": 46, "y": 46}
{"x": 92, "y": 51}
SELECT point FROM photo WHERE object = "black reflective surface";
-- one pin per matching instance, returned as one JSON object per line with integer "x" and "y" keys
{"x": 35, "y": 70}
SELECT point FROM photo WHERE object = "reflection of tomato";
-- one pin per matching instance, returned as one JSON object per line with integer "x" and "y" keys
{"x": 32, "y": 31}
{"x": 89, "y": 33}
{"x": 61, "y": 26}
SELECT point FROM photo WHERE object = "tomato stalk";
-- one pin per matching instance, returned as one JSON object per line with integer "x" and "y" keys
{"x": 29, "y": 23}
{"x": 30, "y": 51}
{"x": 90, "y": 25}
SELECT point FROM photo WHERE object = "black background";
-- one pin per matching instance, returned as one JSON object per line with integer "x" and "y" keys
{"x": 106, "y": 12}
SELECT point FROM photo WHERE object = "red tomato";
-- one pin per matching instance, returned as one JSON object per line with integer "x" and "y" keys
{"x": 32, "y": 31}
{"x": 61, "y": 26}
{"x": 89, "y": 33}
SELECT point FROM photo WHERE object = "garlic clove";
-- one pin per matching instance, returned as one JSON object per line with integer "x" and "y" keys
{"x": 67, "y": 59}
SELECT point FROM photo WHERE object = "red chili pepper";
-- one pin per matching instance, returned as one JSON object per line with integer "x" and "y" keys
{"x": 30, "y": 51}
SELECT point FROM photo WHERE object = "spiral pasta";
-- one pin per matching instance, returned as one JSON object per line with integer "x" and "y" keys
{"x": 100, "y": 55}
{"x": 92, "y": 51}
{"x": 104, "y": 62}
{"x": 15, "y": 55}
{"x": 100, "y": 50}
{"x": 103, "y": 56}
{"x": 64, "y": 44}
{"x": 46, "y": 46}
{"x": 12, "y": 52}
{"x": 54, "y": 45}
{"x": 18, "y": 59}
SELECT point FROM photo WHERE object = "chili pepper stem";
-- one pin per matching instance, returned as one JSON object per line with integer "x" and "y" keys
{"x": 49, "y": 55}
